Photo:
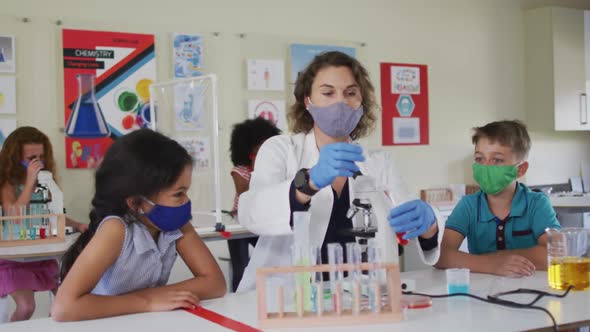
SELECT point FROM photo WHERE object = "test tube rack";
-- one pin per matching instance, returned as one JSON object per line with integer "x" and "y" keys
{"x": 391, "y": 312}
{"x": 9, "y": 239}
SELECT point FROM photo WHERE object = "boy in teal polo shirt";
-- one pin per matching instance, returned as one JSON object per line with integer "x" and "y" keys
{"x": 504, "y": 222}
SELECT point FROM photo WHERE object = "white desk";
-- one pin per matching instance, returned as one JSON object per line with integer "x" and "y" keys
{"x": 55, "y": 250}
{"x": 38, "y": 252}
{"x": 455, "y": 314}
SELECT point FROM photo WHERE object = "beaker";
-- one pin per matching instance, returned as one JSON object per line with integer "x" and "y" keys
{"x": 86, "y": 120}
{"x": 568, "y": 258}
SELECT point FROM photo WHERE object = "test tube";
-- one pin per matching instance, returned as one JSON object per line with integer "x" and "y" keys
{"x": 353, "y": 255}
{"x": 11, "y": 212}
{"x": 300, "y": 254}
{"x": 374, "y": 288}
{"x": 336, "y": 259}
{"x": 42, "y": 227}
{"x": 317, "y": 290}
{"x": 31, "y": 227}
{"x": 48, "y": 224}
{"x": 46, "y": 221}
{"x": 399, "y": 236}
{"x": 22, "y": 232}
{"x": 281, "y": 301}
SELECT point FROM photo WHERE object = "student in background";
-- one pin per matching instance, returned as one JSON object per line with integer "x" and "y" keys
{"x": 504, "y": 222}
{"x": 246, "y": 139}
{"x": 138, "y": 223}
{"x": 25, "y": 152}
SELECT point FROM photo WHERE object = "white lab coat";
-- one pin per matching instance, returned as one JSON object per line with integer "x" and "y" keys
{"x": 265, "y": 210}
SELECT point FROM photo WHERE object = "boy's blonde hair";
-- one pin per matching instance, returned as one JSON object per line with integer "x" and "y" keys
{"x": 511, "y": 133}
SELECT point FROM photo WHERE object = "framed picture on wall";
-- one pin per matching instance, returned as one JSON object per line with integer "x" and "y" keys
{"x": 7, "y": 54}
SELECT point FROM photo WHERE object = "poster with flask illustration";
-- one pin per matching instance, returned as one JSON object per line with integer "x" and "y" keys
{"x": 266, "y": 75}
{"x": 106, "y": 90}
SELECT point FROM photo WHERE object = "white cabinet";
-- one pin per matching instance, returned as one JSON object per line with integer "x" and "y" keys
{"x": 555, "y": 69}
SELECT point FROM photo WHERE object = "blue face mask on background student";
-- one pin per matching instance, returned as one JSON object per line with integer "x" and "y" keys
{"x": 25, "y": 163}
{"x": 169, "y": 218}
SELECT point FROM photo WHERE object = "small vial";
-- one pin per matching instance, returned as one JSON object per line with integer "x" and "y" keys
{"x": 457, "y": 281}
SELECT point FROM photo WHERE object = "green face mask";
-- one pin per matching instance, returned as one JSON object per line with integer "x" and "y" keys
{"x": 493, "y": 179}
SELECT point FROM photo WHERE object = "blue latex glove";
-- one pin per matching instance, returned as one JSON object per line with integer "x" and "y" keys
{"x": 413, "y": 218}
{"x": 336, "y": 159}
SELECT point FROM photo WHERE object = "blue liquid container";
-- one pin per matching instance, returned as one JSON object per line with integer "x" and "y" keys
{"x": 458, "y": 288}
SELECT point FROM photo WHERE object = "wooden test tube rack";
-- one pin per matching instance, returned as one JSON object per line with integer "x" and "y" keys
{"x": 11, "y": 242}
{"x": 391, "y": 312}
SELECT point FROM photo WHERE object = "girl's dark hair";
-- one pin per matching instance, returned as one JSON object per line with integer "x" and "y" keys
{"x": 300, "y": 120}
{"x": 141, "y": 163}
{"x": 246, "y": 136}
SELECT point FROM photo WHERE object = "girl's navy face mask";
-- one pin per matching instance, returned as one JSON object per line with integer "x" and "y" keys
{"x": 168, "y": 218}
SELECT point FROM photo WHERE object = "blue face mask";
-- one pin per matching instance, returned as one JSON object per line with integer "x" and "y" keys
{"x": 26, "y": 163}
{"x": 169, "y": 218}
{"x": 336, "y": 120}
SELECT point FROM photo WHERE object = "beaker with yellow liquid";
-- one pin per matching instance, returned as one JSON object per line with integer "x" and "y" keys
{"x": 568, "y": 254}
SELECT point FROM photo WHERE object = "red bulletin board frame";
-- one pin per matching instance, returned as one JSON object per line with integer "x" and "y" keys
{"x": 409, "y": 94}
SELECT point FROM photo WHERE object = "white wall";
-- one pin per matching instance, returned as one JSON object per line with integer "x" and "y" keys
{"x": 474, "y": 50}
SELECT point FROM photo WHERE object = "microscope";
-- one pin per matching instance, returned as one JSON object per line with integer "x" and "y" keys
{"x": 371, "y": 205}
{"x": 51, "y": 195}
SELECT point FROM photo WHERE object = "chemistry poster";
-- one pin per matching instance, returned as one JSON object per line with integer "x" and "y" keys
{"x": 187, "y": 55}
{"x": 404, "y": 96}
{"x": 106, "y": 90}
